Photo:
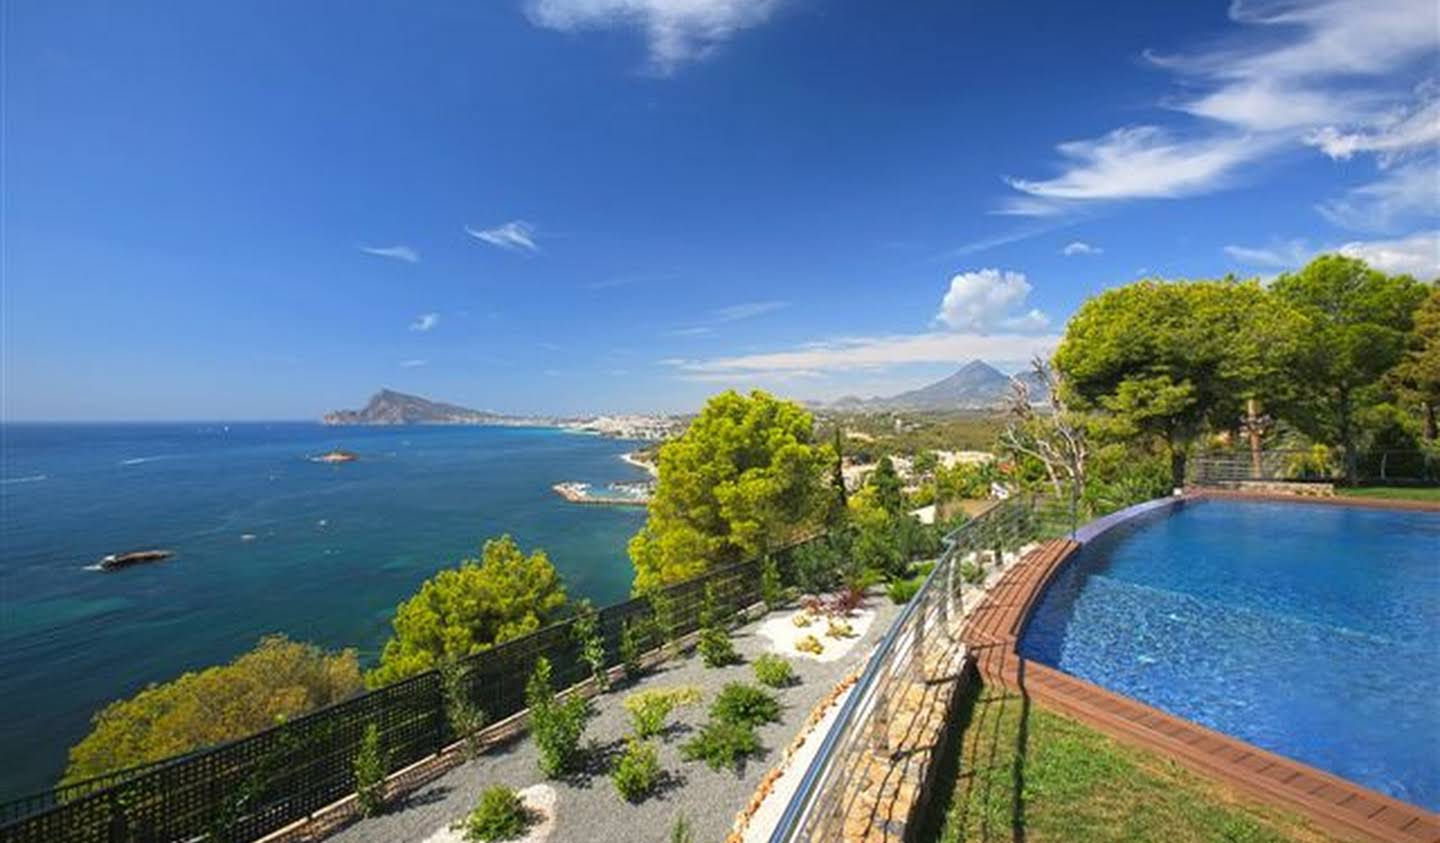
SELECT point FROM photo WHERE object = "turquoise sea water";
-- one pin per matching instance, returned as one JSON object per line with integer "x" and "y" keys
{"x": 267, "y": 541}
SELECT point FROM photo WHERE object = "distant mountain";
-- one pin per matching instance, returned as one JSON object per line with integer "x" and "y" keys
{"x": 975, "y": 386}
{"x": 389, "y": 407}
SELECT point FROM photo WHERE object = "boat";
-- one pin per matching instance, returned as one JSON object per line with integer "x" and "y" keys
{"x": 135, "y": 557}
{"x": 336, "y": 455}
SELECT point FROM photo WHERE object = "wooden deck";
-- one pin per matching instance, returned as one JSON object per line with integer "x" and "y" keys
{"x": 1340, "y": 806}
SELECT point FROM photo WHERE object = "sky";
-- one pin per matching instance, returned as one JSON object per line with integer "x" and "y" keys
{"x": 270, "y": 209}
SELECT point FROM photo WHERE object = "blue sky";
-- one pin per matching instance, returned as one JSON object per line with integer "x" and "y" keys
{"x": 271, "y": 209}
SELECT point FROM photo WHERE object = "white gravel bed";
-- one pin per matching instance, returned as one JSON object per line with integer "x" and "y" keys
{"x": 781, "y": 631}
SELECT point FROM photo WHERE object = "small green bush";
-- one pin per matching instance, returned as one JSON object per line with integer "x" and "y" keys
{"x": 721, "y": 744}
{"x": 972, "y": 573}
{"x": 810, "y": 644}
{"x": 772, "y": 590}
{"x": 745, "y": 704}
{"x": 369, "y": 769}
{"x": 585, "y": 631}
{"x": 633, "y": 638}
{"x": 638, "y": 770}
{"x": 716, "y": 649}
{"x": 465, "y": 717}
{"x": 556, "y": 724}
{"x": 774, "y": 671}
{"x": 901, "y": 591}
{"x": 650, "y": 709}
{"x": 680, "y": 832}
{"x": 500, "y": 815}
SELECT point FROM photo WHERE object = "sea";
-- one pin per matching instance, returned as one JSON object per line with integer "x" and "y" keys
{"x": 266, "y": 541}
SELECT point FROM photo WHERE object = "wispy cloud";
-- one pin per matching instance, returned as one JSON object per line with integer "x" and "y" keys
{"x": 676, "y": 32}
{"x": 1080, "y": 247}
{"x": 549, "y": 346}
{"x": 413, "y": 364}
{"x": 748, "y": 310}
{"x": 399, "y": 253}
{"x": 696, "y": 331}
{"x": 1286, "y": 255}
{"x": 869, "y": 353}
{"x": 515, "y": 236}
{"x": 424, "y": 322}
{"x": 1320, "y": 73}
{"x": 1401, "y": 195}
{"x": 1417, "y": 254}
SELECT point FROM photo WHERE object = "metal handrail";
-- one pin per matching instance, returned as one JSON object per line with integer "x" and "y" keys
{"x": 819, "y": 798}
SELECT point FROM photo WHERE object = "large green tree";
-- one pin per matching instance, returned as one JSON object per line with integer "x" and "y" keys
{"x": 747, "y": 476}
{"x": 461, "y": 611}
{"x": 1359, "y": 322}
{"x": 277, "y": 680}
{"x": 1417, "y": 376}
{"x": 1171, "y": 359}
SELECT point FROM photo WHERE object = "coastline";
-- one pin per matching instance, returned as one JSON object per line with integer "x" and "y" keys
{"x": 580, "y": 493}
{"x": 649, "y": 468}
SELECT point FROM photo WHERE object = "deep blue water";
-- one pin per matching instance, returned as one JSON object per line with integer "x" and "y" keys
{"x": 1311, "y": 631}
{"x": 334, "y": 548}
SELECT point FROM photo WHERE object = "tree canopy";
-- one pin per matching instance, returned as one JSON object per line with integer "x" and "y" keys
{"x": 277, "y": 680}
{"x": 1417, "y": 375}
{"x": 747, "y": 476}
{"x": 1358, "y": 325}
{"x": 461, "y": 611}
{"x": 1168, "y": 359}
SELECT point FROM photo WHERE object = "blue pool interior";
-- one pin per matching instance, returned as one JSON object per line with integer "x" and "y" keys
{"x": 1309, "y": 630}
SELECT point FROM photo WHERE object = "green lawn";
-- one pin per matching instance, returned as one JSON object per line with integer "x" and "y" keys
{"x": 1394, "y": 493}
{"x": 1027, "y": 774}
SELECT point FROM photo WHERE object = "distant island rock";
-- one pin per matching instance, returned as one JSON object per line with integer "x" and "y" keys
{"x": 975, "y": 386}
{"x": 388, "y": 407}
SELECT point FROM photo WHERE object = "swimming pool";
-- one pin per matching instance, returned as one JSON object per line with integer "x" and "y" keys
{"x": 1312, "y": 631}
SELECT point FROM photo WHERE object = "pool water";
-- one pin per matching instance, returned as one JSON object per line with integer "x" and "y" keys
{"x": 1312, "y": 631}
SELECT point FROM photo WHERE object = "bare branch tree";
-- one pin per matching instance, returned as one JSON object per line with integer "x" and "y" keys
{"x": 1057, "y": 439}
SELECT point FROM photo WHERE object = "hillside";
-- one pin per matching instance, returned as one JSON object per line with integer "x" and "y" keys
{"x": 388, "y": 407}
{"x": 975, "y": 386}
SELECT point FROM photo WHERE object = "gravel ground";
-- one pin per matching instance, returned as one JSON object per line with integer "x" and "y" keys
{"x": 589, "y": 810}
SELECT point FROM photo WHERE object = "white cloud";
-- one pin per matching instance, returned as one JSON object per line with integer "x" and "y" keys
{"x": 1405, "y": 131}
{"x": 748, "y": 310}
{"x": 1417, "y": 255}
{"x": 399, "y": 253}
{"x": 1286, "y": 255}
{"x": 988, "y": 299}
{"x": 1142, "y": 162}
{"x": 425, "y": 321}
{"x": 676, "y": 31}
{"x": 1080, "y": 247}
{"x": 697, "y": 331}
{"x": 1292, "y": 73}
{"x": 412, "y": 364}
{"x": 865, "y": 353}
{"x": 515, "y": 235}
{"x": 1404, "y": 193}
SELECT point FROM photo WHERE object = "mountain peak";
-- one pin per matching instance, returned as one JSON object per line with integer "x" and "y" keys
{"x": 977, "y": 385}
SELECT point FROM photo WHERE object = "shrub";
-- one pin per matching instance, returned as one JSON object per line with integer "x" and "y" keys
{"x": 772, "y": 590}
{"x": 556, "y": 724}
{"x": 369, "y": 768}
{"x": 667, "y": 617}
{"x": 680, "y": 832}
{"x": 839, "y": 629}
{"x": 745, "y": 704}
{"x": 721, "y": 744}
{"x": 972, "y": 573}
{"x": 278, "y": 679}
{"x": 900, "y": 591}
{"x": 633, "y": 636}
{"x": 465, "y": 717}
{"x": 810, "y": 644}
{"x": 716, "y": 649}
{"x": 586, "y": 632}
{"x": 649, "y": 709}
{"x": 774, "y": 671}
{"x": 638, "y": 770}
{"x": 499, "y": 815}
{"x": 847, "y": 599}
{"x": 802, "y": 619}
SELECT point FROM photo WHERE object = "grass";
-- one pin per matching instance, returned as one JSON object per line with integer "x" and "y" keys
{"x": 1027, "y": 774}
{"x": 1394, "y": 493}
